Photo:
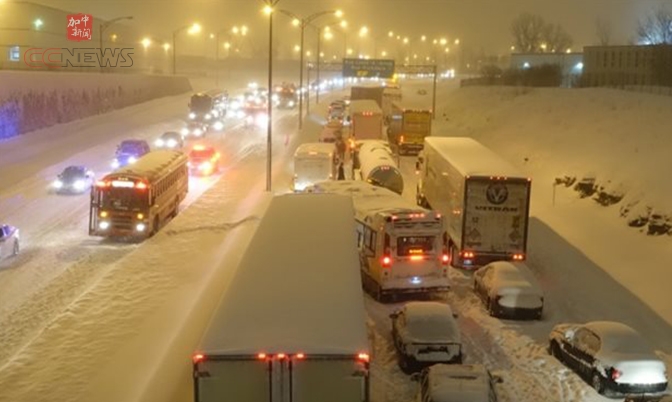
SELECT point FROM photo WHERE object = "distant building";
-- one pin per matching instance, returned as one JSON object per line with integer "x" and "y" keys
{"x": 571, "y": 64}
{"x": 647, "y": 65}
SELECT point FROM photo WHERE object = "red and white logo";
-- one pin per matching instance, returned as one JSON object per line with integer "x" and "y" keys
{"x": 80, "y": 27}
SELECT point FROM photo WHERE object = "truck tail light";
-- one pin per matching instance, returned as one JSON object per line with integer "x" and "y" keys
{"x": 468, "y": 254}
{"x": 363, "y": 357}
{"x": 386, "y": 261}
{"x": 518, "y": 257}
{"x": 281, "y": 356}
{"x": 198, "y": 357}
{"x": 616, "y": 374}
{"x": 261, "y": 356}
{"x": 300, "y": 356}
{"x": 445, "y": 259}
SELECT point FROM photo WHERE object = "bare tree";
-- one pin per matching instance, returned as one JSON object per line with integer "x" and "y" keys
{"x": 557, "y": 40}
{"x": 656, "y": 28}
{"x": 603, "y": 31}
{"x": 528, "y": 30}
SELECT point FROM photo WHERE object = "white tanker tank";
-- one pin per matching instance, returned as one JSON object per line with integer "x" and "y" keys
{"x": 378, "y": 166}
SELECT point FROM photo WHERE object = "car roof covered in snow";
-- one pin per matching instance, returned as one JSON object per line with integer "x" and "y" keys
{"x": 314, "y": 148}
{"x": 459, "y": 383}
{"x": 152, "y": 165}
{"x": 617, "y": 337}
{"x": 369, "y": 199}
{"x": 431, "y": 322}
{"x": 363, "y": 106}
{"x": 471, "y": 158}
{"x": 298, "y": 287}
{"x": 513, "y": 275}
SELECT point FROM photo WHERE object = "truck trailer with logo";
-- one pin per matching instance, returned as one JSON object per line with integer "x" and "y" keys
{"x": 484, "y": 199}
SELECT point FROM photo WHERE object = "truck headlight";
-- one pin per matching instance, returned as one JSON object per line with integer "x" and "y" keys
{"x": 218, "y": 125}
{"x": 159, "y": 142}
{"x": 140, "y": 227}
{"x": 208, "y": 116}
{"x": 205, "y": 167}
{"x": 192, "y": 115}
{"x": 132, "y": 160}
{"x": 291, "y": 103}
{"x": 172, "y": 143}
{"x": 104, "y": 225}
{"x": 198, "y": 132}
{"x": 184, "y": 132}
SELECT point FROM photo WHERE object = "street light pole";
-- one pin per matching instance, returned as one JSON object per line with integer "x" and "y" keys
{"x": 174, "y": 54}
{"x": 269, "y": 127}
{"x": 102, "y": 28}
{"x": 317, "y": 80}
{"x": 301, "y": 68}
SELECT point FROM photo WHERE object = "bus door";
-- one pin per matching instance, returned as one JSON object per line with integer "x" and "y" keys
{"x": 96, "y": 201}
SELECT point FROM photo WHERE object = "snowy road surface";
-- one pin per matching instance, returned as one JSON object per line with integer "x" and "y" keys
{"x": 85, "y": 320}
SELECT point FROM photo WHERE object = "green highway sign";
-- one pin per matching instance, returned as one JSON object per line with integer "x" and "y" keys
{"x": 363, "y": 68}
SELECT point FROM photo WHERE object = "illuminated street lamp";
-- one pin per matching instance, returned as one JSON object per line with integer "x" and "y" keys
{"x": 302, "y": 23}
{"x": 192, "y": 29}
{"x": 102, "y": 27}
{"x": 146, "y": 42}
{"x": 166, "y": 46}
{"x": 38, "y": 23}
{"x": 443, "y": 41}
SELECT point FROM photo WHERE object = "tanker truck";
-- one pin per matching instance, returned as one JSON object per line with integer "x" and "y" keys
{"x": 374, "y": 163}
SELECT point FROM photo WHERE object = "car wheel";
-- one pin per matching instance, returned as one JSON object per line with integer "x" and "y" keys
{"x": 597, "y": 383}
{"x": 492, "y": 307}
{"x": 16, "y": 248}
{"x": 155, "y": 227}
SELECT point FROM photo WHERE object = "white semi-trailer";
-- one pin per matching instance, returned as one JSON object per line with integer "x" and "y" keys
{"x": 484, "y": 199}
{"x": 291, "y": 325}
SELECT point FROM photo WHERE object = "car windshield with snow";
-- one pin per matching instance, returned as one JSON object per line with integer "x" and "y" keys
{"x": 614, "y": 358}
{"x": 509, "y": 290}
{"x": 425, "y": 333}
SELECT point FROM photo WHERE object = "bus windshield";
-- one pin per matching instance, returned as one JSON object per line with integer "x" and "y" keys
{"x": 124, "y": 199}
{"x": 414, "y": 245}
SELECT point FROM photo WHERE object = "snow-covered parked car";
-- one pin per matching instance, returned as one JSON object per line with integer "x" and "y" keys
{"x": 457, "y": 383}
{"x": 9, "y": 241}
{"x": 509, "y": 290}
{"x": 425, "y": 333}
{"x": 611, "y": 356}
{"x": 648, "y": 398}
{"x": 73, "y": 179}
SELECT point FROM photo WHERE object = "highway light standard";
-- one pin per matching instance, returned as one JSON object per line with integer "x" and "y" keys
{"x": 303, "y": 23}
{"x": 191, "y": 29}
{"x": 269, "y": 125}
{"x": 102, "y": 27}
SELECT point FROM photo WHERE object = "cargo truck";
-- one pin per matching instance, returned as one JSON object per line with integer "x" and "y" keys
{"x": 291, "y": 325}
{"x": 485, "y": 200}
{"x": 368, "y": 93}
{"x": 366, "y": 120}
{"x": 408, "y": 128}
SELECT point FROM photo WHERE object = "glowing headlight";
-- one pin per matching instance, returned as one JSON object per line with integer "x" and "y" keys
{"x": 198, "y": 132}
{"x": 79, "y": 185}
{"x": 115, "y": 164}
{"x": 275, "y": 97}
{"x": 208, "y": 116}
{"x": 171, "y": 143}
{"x": 192, "y": 115}
{"x": 205, "y": 166}
{"x": 240, "y": 114}
{"x": 262, "y": 120}
{"x": 57, "y": 184}
{"x": 140, "y": 227}
{"x": 184, "y": 132}
{"x": 104, "y": 225}
{"x": 291, "y": 103}
{"x": 159, "y": 142}
{"x": 132, "y": 159}
{"x": 218, "y": 125}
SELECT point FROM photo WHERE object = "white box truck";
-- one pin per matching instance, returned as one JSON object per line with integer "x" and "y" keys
{"x": 402, "y": 246}
{"x": 484, "y": 199}
{"x": 314, "y": 162}
{"x": 291, "y": 326}
{"x": 366, "y": 120}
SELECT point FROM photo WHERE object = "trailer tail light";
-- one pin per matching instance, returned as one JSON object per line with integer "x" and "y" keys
{"x": 615, "y": 374}
{"x": 141, "y": 185}
{"x": 261, "y": 356}
{"x": 197, "y": 358}
{"x": 445, "y": 259}
{"x": 386, "y": 261}
{"x": 363, "y": 357}
{"x": 280, "y": 356}
{"x": 518, "y": 257}
{"x": 300, "y": 356}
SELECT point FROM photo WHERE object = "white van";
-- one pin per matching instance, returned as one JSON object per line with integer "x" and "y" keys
{"x": 314, "y": 162}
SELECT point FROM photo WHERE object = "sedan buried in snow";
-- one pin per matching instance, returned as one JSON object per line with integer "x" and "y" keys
{"x": 425, "y": 333}
{"x": 509, "y": 290}
{"x": 457, "y": 383}
{"x": 73, "y": 179}
{"x": 613, "y": 357}
{"x": 9, "y": 241}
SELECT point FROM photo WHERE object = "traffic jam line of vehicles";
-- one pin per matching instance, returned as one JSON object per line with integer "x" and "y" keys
{"x": 472, "y": 213}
